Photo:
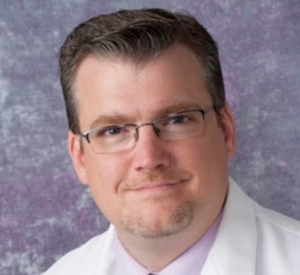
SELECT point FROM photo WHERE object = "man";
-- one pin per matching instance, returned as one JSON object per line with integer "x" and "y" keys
{"x": 150, "y": 133}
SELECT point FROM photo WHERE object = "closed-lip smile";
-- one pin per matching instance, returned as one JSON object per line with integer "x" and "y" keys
{"x": 155, "y": 186}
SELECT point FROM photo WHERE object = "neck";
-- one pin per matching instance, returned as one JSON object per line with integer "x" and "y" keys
{"x": 156, "y": 254}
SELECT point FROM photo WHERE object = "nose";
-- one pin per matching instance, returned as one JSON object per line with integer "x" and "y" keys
{"x": 156, "y": 130}
{"x": 150, "y": 151}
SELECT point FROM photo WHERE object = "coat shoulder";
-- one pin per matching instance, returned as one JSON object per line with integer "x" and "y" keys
{"x": 76, "y": 261}
{"x": 278, "y": 243}
{"x": 276, "y": 221}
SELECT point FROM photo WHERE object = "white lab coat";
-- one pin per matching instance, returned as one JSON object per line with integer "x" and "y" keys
{"x": 251, "y": 240}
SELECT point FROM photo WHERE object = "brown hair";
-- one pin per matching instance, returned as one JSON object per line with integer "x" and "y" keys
{"x": 137, "y": 35}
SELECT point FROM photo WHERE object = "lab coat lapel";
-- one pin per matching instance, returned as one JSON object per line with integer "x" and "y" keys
{"x": 107, "y": 256}
{"x": 235, "y": 247}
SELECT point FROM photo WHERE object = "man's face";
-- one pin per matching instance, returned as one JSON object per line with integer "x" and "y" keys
{"x": 158, "y": 187}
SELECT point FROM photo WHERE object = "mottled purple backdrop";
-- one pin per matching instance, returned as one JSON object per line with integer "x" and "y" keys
{"x": 44, "y": 210}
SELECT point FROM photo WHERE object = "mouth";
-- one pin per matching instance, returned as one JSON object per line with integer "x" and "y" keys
{"x": 160, "y": 187}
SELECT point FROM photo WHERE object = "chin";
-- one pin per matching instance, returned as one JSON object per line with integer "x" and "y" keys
{"x": 159, "y": 225}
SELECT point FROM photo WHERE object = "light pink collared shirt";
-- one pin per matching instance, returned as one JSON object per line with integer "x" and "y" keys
{"x": 188, "y": 263}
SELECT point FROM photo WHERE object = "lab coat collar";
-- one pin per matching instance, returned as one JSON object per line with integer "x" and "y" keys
{"x": 234, "y": 250}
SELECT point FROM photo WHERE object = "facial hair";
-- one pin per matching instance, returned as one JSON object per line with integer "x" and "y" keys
{"x": 157, "y": 216}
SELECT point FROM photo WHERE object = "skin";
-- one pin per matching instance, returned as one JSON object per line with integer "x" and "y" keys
{"x": 155, "y": 223}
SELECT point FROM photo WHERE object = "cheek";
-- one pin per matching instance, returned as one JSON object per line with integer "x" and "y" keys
{"x": 105, "y": 169}
{"x": 104, "y": 174}
{"x": 202, "y": 152}
{"x": 207, "y": 160}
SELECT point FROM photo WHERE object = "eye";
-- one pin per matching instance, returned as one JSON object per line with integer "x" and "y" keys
{"x": 178, "y": 119}
{"x": 114, "y": 131}
{"x": 110, "y": 131}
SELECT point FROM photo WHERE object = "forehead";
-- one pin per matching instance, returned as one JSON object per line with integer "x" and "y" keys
{"x": 109, "y": 86}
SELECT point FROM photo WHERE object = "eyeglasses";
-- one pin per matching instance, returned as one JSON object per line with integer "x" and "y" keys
{"x": 175, "y": 126}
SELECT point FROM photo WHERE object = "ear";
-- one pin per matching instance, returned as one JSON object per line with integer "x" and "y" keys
{"x": 229, "y": 131}
{"x": 77, "y": 156}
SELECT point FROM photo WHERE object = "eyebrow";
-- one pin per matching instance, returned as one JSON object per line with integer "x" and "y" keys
{"x": 118, "y": 118}
{"x": 174, "y": 108}
{"x": 113, "y": 119}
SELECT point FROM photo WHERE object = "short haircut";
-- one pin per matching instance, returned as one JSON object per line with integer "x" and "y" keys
{"x": 138, "y": 36}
